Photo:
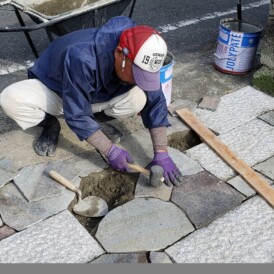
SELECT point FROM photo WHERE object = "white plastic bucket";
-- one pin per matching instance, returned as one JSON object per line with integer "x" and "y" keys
{"x": 166, "y": 76}
{"x": 237, "y": 45}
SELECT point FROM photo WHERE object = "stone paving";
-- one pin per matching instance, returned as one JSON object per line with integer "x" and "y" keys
{"x": 213, "y": 217}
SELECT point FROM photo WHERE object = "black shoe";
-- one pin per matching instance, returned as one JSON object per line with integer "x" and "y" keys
{"x": 47, "y": 142}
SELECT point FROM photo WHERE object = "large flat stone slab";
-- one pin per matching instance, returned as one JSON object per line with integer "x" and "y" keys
{"x": 142, "y": 225}
{"x": 59, "y": 239}
{"x": 204, "y": 198}
{"x": 123, "y": 258}
{"x": 266, "y": 168}
{"x": 159, "y": 258}
{"x": 235, "y": 109}
{"x": 19, "y": 214}
{"x": 268, "y": 117}
{"x": 7, "y": 171}
{"x": 251, "y": 142}
{"x": 244, "y": 235}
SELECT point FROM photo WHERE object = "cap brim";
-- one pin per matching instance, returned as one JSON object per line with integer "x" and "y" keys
{"x": 147, "y": 81}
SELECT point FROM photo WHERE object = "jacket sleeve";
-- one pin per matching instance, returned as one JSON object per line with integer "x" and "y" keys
{"x": 154, "y": 114}
{"x": 78, "y": 79}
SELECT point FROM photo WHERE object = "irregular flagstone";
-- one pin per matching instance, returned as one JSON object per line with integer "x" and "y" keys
{"x": 205, "y": 198}
{"x": 35, "y": 184}
{"x": 59, "y": 239}
{"x": 251, "y": 142}
{"x": 186, "y": 165}
{"x": 242, "y": 186}
{"x": 177, "y": 125}
{"x": 209, "y": 103}
{"x": 235, "y": 109}
{"x": 126, "y": 258}
{"x": 17, "y": 213}
{"x": 244, "y": 235}
{"x": 268, "y": 117}
{"x": 7, "y": 171}
{"x": 266, "y": 168}
{"x": 179, "y": 104}
{"x": 159, "y": 258}
{"x": 5, "y": 232}
{"x": 142, "y": 225}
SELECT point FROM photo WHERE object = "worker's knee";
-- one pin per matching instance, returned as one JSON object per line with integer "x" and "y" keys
{"x": 137, "y": 100}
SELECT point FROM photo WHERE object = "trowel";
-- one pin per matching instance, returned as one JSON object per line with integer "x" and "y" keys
{"x": 91, "y": 206}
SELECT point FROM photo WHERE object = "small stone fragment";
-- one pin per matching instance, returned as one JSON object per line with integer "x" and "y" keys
{"x": 209, "y": 103}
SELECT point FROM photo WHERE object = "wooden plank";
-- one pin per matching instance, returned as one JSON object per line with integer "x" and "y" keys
{"x": 242, "y": 168}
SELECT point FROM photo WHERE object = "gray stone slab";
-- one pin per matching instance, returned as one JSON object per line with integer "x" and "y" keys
{"x": 210, "y": 103}
{"x": 179, "y": 104}
{"x": 8, "y": 171}
{"x": 35, "y": 184}
{"x": 266, "y": 168}
{"x": 235, "y": 109}
{"x": 6, "y": 232}
{"x": 244, "y": 235}
{"x": 268, "y": 117}
{"x": 126, "y": 258}
{"x": 177, "y": 125}
{"x": 19, "y": 214}
{"x": 142, "y": 225}
{"x": 59, "y": 239}
{"x": 242, "y": 186}
{"x": 204, "y": 198}
{"x": 251, "y": 142}
{"x": 159, "y": 258}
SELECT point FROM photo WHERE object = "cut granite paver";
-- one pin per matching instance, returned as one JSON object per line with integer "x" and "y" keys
{"x": 186, "y": 165}
{"x": 179, "y": 104}
{"x": 59, "y": 239}
{"x": 268, "y": 117}
{"x": 209, "y": 103}
{"x": 142, "y": 224}
{"x": 127, "y": 258}
{"x": 204, "y": 198}
{"x": 159, "y": 258}
{"x": 251, "y": 142}
{"x": 236, "y": 109}
{"x": 244, "y": 235}
{"x": 17, "y": 213}
{"x": 242, "y": 186}
{"x": 6, "y": 232}
{"x": 266, "y": 168}
{"x": 7, "y": 171}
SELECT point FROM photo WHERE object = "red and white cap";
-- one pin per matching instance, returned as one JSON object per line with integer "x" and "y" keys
{"x": 147, "y": 50}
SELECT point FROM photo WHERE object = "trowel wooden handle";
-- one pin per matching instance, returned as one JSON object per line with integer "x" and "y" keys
{"x": 139, "y": 169}
{"x": 63, "y": 181}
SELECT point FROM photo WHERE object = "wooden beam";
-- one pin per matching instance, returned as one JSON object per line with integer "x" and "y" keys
{"x": 242, "y": 168}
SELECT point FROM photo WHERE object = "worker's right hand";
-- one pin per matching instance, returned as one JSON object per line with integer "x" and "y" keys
{"x": 118, "y": 158}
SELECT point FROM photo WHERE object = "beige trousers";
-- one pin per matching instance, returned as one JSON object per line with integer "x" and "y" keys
{"x": 27, "y": 101}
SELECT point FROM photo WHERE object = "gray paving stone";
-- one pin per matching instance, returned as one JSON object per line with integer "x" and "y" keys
{"x": 142, "y": 225}
{"x": 251, "y": 142}
{"x": 177, "y": 125}
{"x": 6, "y": 232}
{"x": 242, "y": 186}
{"x": 247, "y": 103}
{"x": 17, "y": 213}
{"x": 244, "y": 235}
{"x": 209, "y": 103}
{"x": 268, "y": 117}
{"x": 59, "y": 239}
{"x": 204, "y": 198}
{"x": 179, "y": 104}
{"x": 8, "y": 171}
{"x": 159, "y": 258}
{"x": 266, "y": 168}
{"x": 126, "y": 258}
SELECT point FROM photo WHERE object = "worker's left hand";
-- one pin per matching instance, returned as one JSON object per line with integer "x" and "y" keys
{"x": 172, "y": 174}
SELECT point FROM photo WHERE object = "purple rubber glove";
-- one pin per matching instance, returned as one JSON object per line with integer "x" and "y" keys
{"x": 172, "y": 174}
{"x": 118, "y": 158}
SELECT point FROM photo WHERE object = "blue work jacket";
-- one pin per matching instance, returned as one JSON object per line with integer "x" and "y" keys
{"x": 79, "y": 67}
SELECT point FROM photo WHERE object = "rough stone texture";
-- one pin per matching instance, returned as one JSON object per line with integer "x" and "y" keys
{"x": 251, "y": 142}
{"x": 7, "y": 171}
{"x": 244, "y": 235}
{"x": 5, "y": 232}
{"x": 59, "y": 239}
{"x": 268, "y": 117}
{"x": 142, "y": 225}
{"x": 209, "y": 103}
{"x": 204, "y": 198}
{"x": 247, "y": 102}
{"x": 127, "y": 258}
{"x": 159, "y": 258}
{"x": 177, "y": 125}
{"x": 179, "y": 104}
{"x": 266, "y": 168}
{"x": 17, "y": 213}
{"x": 242, "y": 186}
